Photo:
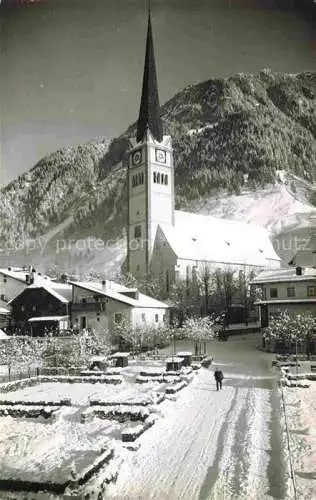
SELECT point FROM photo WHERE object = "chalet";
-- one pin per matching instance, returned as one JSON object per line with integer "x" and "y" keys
{"x": 291, "y": 289}
{"x": 102, "y": 305}
{"x": 40, "y": 308}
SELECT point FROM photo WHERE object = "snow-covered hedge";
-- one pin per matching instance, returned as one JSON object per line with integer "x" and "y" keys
{"x": 19, "y": 411}
{"x": 19, "y": 384}
{"x": 120, "y": 413}
{"x": 134, "y": 432}
{"x": 175, "y": 387}
{"x": 62, "y": 402}
{"x": 70, "y": 379}
{"x": 153, "y": 398}
{"x": 196, "y": 366}
{"x": 152, "y": 372}
{"x": 94, "y": 488}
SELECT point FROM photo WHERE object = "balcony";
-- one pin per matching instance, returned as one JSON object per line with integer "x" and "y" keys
{"x": 88, "y": 307}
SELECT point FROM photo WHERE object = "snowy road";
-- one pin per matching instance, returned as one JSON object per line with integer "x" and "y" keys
{"x": 211, "y": 445}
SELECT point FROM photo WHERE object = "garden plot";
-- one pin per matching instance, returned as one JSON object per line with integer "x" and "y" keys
{"x": 80, "y": 394}
{"x": 83, "y": 436}
{"x": 52, "y": 454}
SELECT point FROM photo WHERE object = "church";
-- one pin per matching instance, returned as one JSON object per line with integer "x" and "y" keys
{"x": 166, "y": 243}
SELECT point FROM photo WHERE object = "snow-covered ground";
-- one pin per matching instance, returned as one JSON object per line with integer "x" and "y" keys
{"x": 41, "y": 451}
{"x": 301, "y": 412}
{"x": 207, "y": 444}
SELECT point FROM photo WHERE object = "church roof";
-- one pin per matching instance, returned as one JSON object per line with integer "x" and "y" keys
{"x": 206, "y": 238}
{"x": 149, "y": 112}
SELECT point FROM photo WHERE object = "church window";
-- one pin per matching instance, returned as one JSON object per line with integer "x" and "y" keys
{"x": 134, "y": 181}
{"x": 158, "y": 178}
{"x": 155, "y": 177}
{"x": 167, "y": 281}
{"x": 162, "y": 178}
{"x": 142, "y": 178}
{"x": 137, "y": 231}
{"x": 166, "y": 180}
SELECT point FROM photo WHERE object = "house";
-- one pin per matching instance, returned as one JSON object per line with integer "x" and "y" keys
{"x": 13, "y": 280}
{"x": 102, "y": 305}
{"x": 291, "y": 289}
{"x": 40, "y": 308}
{"x": 167, "y": 243}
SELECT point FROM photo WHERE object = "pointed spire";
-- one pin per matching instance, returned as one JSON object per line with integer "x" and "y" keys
{"x": 149, "y": 112}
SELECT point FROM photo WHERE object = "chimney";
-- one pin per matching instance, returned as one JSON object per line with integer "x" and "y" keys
{"x": 299, "y": 271}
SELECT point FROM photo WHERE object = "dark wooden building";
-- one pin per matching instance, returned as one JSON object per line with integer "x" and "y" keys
{"x": 40, "y": 309}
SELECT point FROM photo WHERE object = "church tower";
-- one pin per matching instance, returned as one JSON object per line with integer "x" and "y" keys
{"x": 150, "y": 173}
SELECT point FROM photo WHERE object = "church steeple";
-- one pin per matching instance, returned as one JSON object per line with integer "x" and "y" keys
{"x": 149, "y": 112}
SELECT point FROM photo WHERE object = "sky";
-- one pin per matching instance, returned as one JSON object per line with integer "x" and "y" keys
{"x": 71, "y": 70}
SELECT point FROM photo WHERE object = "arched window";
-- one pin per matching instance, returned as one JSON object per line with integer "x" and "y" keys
{"x": 158, "y": 178}
{"x": 155, "y": 178}
{"x": 162, "y": 178}
{"x": 142, "y": 178}
{"x": 166, "y": 179}
{"x": 133, "y": 181}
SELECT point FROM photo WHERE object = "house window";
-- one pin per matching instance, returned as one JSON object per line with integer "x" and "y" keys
{"x": 143, "y": 317}
{"x": 291, "y": 291}
{"x": 264, "y": 293}
{"x": 33, "y": 308}
{"x": 2, "y": 297}
{"x": 83, "y": 300}
{"x": 4, "y": 279}
{"x": 273, "y": 293}
{"x": 311, "y": 291}
{"x": 138, "y": 267}
{"x": 22, "y": 307}
{"x": 137, "y": 231}
{"x": 164, "y": 318}
{"x": 83, "y": 322}
{"x": 156, "y": 318}
{"x": 118, "y": 317}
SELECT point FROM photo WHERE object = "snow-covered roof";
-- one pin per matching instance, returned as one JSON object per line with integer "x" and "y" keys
{"x": 285, "y": 275}
{"x": 4, "y": 310}
{"x": 19, "y": 274}
{"x": 3, "y": 336}
{"x": 206, "y": 238}
{"x": 47, "y": 318}
{"x": 142, "y": 301}
{"x": 286, "y": 301}
{"x": 60, "y": 291}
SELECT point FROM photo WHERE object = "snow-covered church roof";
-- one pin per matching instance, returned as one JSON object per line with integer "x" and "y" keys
{"x": 206, "y": 238}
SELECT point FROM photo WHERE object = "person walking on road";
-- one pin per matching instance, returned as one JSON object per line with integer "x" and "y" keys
{"x": 218, "y": 375}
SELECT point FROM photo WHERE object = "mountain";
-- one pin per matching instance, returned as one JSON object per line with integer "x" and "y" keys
{"x": 244, "y": 148}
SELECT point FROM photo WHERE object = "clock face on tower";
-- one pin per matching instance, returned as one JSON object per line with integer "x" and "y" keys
{"x": 137, "y": 157}
{"x": 161, "y": 156}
